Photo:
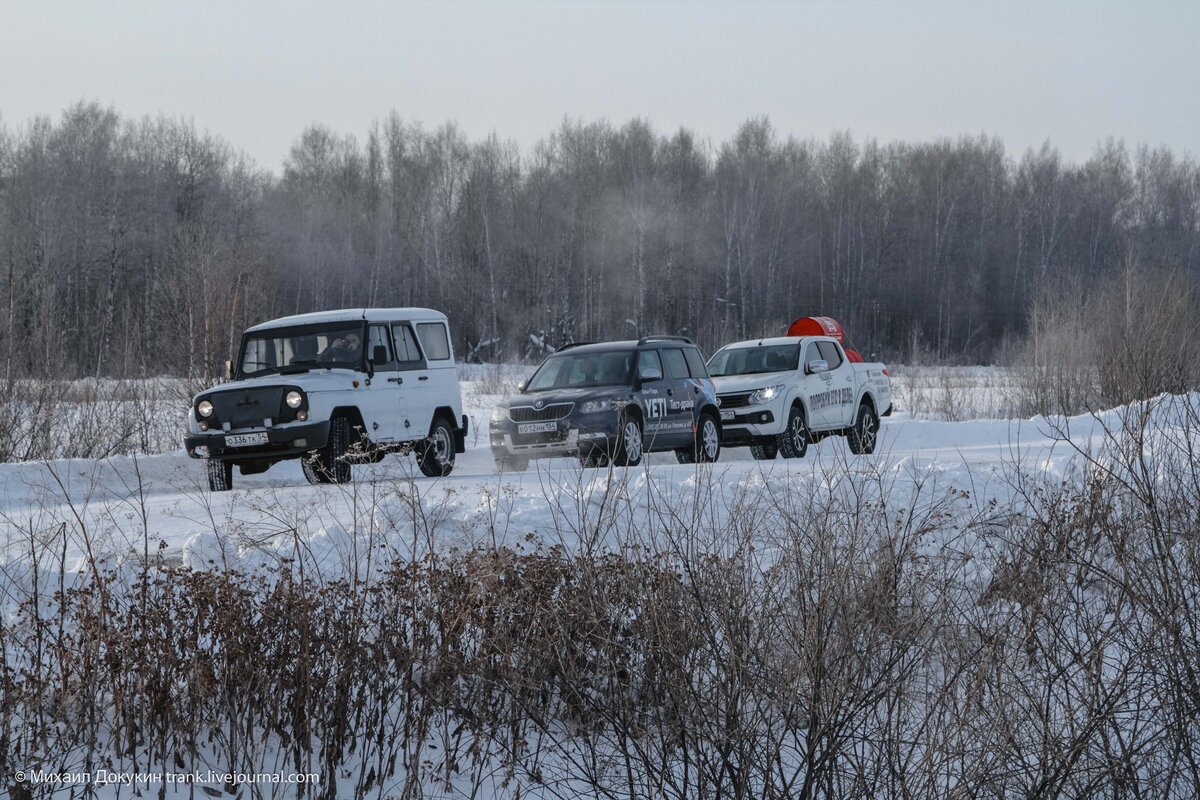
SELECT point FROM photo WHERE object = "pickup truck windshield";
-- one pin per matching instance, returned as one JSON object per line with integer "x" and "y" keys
{"x": 583, "y": 370}
{"x": 753, "y": 360}
{"x": 323, "y": 346}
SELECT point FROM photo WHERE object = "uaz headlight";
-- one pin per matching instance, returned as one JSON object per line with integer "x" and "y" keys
{"x": 204, "y": 409}
{"x": 765, "y": 395}
{"x": 293, "y": 399}
{"x": 595, "y": 406}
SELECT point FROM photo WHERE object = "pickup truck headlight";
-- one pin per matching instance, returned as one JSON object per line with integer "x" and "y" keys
{"x": 766, "y": 395}
{"x": 595, "y": 406}
{"x": 204, "y": 409}
{"x": 498, "y": 414}
{"x": 293, "y": 399}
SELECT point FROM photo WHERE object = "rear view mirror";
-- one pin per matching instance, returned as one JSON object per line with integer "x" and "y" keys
{"x": 651, "y": 374}
{"x": 817, "y": 366}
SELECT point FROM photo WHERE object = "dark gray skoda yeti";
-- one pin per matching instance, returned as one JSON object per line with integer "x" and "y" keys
{"x": 612, "y": 401}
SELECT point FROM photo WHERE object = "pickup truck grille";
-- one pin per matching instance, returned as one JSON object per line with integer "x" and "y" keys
{"x": 531, "y": 414}
{"x": 738, "y": 400}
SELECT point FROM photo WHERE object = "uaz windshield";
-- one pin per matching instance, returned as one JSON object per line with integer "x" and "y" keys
{"x": 582, "y": 370}
{"x": 753, "y": 360}
{"x": 330, "y": 344}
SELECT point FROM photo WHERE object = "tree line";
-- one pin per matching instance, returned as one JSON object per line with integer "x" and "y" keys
{"x": 143, "y": 247}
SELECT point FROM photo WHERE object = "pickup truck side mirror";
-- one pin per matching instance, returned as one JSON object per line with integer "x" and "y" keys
{"x": 817, "y": 366}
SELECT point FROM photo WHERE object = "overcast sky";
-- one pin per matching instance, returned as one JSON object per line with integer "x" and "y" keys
{"x": 256, "y": 73}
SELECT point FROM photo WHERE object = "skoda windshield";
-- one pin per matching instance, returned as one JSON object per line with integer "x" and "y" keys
{"x": 296, "y": 349}
{"x": 583, "y": 370}
{"x": 753, "y": 360}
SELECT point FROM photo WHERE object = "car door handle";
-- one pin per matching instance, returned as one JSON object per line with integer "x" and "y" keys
{"x": 396, "y": 380}
{"x": 670, "y": 392}
{"x": 423, "y": 378}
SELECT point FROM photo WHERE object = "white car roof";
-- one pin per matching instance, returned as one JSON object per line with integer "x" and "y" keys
{"x": 774, "y": 340}
{"x": 354, "y": 315}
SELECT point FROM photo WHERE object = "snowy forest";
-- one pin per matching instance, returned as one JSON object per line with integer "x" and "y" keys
{"x": 142, "y": 247}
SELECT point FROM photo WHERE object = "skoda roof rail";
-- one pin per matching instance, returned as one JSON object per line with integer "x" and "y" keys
{"x": 662, "y": 338}
{"x": 569, "y": 345}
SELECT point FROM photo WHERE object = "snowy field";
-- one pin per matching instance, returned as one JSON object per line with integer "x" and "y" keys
{"x": 970, "y": 608}
{"x": 126, "y": 507}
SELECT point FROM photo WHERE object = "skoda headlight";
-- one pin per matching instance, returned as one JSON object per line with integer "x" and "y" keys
{"x": 595, "y": 406}
{"x": 294, "y": 399}
{"x": 499, "y": 413}
{"x": 204, "y": 409}
{"x": 766, "y": 395}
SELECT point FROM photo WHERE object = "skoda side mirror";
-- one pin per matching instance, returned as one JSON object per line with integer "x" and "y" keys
{"x": 817, "y": 366}
{"x": 651, "y": 374}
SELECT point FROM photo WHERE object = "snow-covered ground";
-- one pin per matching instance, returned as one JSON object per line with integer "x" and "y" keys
{"x": 946, "y": 492}
{"x": 123, "y": 507}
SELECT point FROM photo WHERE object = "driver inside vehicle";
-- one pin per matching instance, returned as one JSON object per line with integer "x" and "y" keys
{"x": 345, "y": 348}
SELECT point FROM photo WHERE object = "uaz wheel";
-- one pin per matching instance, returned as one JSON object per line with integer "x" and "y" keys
{"x": 436, "y": 456}
{"x": 329, "y": 464}
{"x": 220, "y": 475}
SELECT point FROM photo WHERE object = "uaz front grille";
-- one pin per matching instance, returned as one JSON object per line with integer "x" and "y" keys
{"x": 246, "y": 408}
{"x": 735, "y": 400}
{"x": 544, "y": 414}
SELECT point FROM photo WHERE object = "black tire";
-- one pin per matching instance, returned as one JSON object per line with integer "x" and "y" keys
{"x": 511, "y": 463}
{"x": 793, "y": 442}
{"x": 220, "y": 475}
{"x": 594, "y": 459}
{"x": 764, "y": 452}
{"x": 313, "y": 473}
{"x": 330, "y": 464}
{"x": 436, "y": 454}
{"x": 706, "y": 447}
{"x": 631, "y": 443}
{"x": 863, "y": 436}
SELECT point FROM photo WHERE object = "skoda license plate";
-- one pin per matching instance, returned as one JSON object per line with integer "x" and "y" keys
{"x": 245, "y": 439}
{"x": 727, "y": 414}
{"x": 538, "y": 427}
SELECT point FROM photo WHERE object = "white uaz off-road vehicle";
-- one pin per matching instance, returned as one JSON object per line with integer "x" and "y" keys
{"x": 334, "y": 388}
{"x": 779, "y": 394}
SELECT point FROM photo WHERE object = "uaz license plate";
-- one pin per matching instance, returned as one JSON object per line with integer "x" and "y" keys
{"x": 538, "y": 427}
{"x": 245, "y": 439}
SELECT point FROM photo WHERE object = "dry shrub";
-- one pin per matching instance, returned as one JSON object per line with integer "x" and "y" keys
{"x": 843, "y": 639}
{"x": 1129, "y": 338}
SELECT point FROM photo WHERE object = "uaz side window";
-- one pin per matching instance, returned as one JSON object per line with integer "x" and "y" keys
{"x": 433, "y": 339}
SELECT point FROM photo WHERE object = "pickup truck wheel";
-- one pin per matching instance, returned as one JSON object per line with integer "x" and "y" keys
{"x": 793, "y": 442}
{"x": 436, "y": 457}
{"x": 220, "y": 475}
{"x": 764, "y": 452}
{"x": 629, "y": 447}
{"x": 865, "y": 432}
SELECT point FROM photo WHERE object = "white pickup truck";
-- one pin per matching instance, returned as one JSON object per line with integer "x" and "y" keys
{"x": 779, "y": 394}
